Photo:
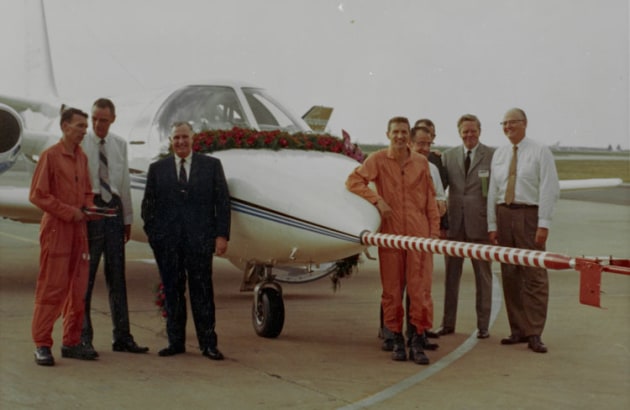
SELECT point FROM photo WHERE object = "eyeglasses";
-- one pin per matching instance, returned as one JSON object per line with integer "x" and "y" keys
{"x": 510, "y": 122}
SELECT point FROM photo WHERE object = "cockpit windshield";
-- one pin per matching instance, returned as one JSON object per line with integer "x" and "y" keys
{"x": 204, "y": 107}
{"x": 208, "y": 107}
{"x": 269, "y": 114}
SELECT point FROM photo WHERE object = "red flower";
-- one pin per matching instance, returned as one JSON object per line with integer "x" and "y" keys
{"x": 216, "y": 140}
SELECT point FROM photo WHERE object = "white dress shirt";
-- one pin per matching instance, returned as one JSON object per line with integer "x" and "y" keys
{"x": 536, "y": 180}
{"x": 473, "y": 151}
{"x": 440, "y": 195}
{"x": 118, "y": 168}
{"x": 187, "y": 163}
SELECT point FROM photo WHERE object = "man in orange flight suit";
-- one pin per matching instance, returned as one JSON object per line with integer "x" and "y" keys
{"x": 61, "y": 188}
{"x": 405, "y": 198}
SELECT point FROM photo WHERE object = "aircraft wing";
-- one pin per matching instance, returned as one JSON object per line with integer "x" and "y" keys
{"x": 571, "y": 184}
{"x": 16, "y": 206}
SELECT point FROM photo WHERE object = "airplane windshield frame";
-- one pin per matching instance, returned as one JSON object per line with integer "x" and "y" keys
{"x": 269, "y": 113}
{"x": 205, "y": 107}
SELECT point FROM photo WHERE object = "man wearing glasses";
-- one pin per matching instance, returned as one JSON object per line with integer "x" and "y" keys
{"x": 523, "y": 191}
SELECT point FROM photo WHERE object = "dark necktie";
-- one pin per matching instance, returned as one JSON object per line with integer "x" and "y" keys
{"x": 511, "y": 183}
{"x": 467, "y": 162}
{"x": 103, "y": 173}
{"x": 183, "y": 179}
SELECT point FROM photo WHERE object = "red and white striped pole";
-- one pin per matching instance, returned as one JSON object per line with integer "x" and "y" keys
{"x": 590, "y": 268}
{"x": 503, "y": 254}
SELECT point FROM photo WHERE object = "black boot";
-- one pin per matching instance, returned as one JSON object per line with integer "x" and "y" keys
{"x": 399, "y": 353}
{"x": 388, "y": 339}
{"x": 416, "y": 352}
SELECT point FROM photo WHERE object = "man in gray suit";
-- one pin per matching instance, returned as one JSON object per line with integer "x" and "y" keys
{"x": 468, "y": 171}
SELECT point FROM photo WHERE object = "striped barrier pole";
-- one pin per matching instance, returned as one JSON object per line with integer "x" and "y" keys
{"x": 590, "y": 268}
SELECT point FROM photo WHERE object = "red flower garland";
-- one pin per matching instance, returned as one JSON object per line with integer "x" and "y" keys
{"x": 218, "y": 140}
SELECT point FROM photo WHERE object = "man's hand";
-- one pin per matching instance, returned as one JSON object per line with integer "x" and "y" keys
{"x": 220, "y": 245}
{"x": 492, "y": 236}
{"x": 541, "y": 237}
{"x": 78, "y": 215}
{"x": 441, "y": 207}
{"x": 383, "y": 209}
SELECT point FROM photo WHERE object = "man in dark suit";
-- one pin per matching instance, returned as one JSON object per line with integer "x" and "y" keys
{"x": 186, "y": 214}
{"x": 468, "y": 172}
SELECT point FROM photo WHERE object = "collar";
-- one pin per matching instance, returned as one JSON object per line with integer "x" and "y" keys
{"x": 473, "y": 151}
{"x": 188, "y": 158}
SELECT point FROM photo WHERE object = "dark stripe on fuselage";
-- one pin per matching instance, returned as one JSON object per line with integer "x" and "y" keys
{"x": 138, "y": 181}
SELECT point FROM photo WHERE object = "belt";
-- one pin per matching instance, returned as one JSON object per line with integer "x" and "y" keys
{"x": 518, "y": 206}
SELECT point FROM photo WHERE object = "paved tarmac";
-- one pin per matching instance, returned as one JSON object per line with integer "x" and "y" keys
{"x": 328, "y": 355}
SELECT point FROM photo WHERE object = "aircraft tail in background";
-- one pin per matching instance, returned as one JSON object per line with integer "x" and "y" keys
{"x": 317, "y": 117}
{"x": 38, "y": 64}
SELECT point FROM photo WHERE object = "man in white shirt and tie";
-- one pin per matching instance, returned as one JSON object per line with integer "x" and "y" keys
{"x": 523, "y": 191}
{"x": 109, "y": 172}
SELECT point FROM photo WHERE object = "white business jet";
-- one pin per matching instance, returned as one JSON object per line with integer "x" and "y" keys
{"x": 292, "y": 216}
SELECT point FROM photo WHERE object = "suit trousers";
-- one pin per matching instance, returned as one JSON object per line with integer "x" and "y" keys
{"x": 179, "y": 262}
{"x": 483, "y": 291}
{"x": 106, "y": 237}
{"x": 525, "y": 289}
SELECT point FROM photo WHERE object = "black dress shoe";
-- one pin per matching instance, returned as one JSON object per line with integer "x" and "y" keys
{"x": 536, "y": 344}
{"x": 78, "y": 351}
{"x": 388, "y": 345}
{"x": 128, "y": 346}
{"x": 445, "y": 331}
{"x": 212, "y": 353}
{"x": 44, "y": 357}
{"x": 431, "y": 334}
{"x": 483, "y": 334}
{"x": 171, "y": 351}
{"x": 426, "y": 344}
{"x": 513, "y": 339}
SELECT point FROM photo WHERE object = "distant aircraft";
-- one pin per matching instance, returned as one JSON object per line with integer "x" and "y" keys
{"x": 292, "y": 217}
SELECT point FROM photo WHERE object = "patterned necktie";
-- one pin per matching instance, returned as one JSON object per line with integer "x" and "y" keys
{"x": 467, "y": 162}
{"x": 183, "y": 179}
{"x": 511, "y": 183}
{"x": 103, "y": 173}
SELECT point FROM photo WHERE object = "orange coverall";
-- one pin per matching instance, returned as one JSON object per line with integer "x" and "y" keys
{"x": 409, "y": 192}
{"x": 60, "y": 185}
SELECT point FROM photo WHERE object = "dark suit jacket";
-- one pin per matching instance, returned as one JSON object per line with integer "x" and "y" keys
{"x": 200, "y": 210}
{"x": 467, "y": 213}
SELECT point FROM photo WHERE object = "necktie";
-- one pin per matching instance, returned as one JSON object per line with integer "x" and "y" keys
{"x": 183, "y": 179}
{"x": 103, "y": 173}
{"x": 467, "y": 162}
{"x": 511, "y": 183}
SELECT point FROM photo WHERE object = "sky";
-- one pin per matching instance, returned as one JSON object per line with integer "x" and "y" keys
{"x": 565, "y": 62}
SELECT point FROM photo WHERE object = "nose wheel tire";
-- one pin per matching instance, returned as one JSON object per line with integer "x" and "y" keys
{"x": 268, "y": 313}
